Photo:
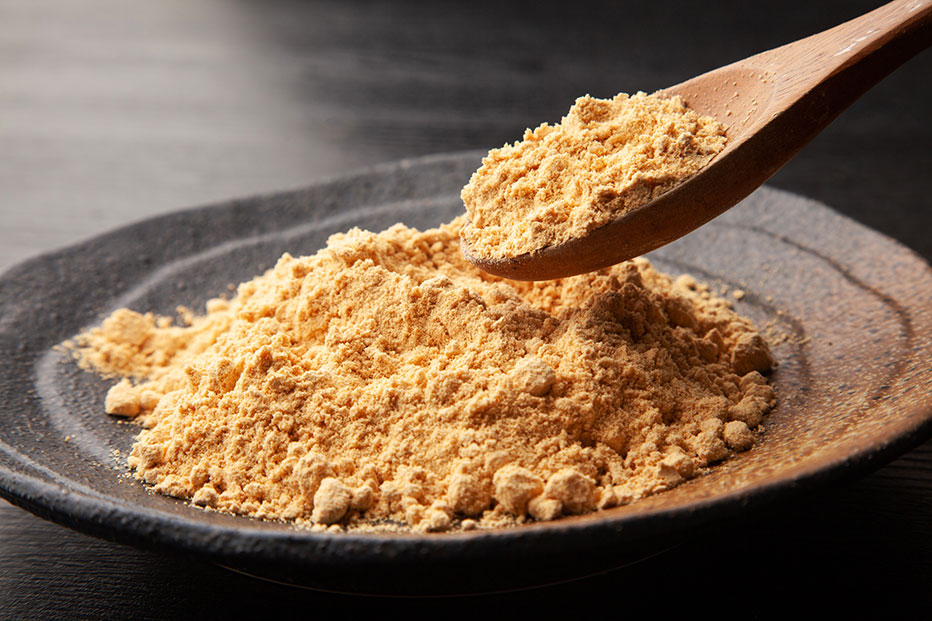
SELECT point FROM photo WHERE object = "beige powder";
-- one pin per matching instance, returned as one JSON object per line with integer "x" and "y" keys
{"x": 605, "y": 157}
{"x": 386, "y": 381}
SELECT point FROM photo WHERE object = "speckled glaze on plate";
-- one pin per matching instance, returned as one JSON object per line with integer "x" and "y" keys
{"x": 851, "y": 309}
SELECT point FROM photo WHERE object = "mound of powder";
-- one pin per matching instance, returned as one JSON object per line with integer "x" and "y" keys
{"x": 606, "y": 157}
{"x": 386, "y": 381}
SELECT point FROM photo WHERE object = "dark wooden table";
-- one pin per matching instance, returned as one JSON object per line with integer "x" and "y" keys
{"x": 114, "y": 111}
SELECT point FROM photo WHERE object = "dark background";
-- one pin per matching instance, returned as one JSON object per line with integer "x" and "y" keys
{"x": 113, "y": 111}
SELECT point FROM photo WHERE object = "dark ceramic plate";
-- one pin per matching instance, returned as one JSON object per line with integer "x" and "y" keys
{"x": 853, "y": 310}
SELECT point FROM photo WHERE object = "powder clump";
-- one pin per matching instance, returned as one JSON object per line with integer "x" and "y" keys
{"x": 386, "y": 382}
{"x": 606, "y": 157}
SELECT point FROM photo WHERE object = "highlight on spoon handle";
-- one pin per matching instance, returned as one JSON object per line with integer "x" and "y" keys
{"x": 869, "y": 47}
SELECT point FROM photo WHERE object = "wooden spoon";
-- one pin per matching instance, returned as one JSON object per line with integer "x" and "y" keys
{"x": 772, "y": 104}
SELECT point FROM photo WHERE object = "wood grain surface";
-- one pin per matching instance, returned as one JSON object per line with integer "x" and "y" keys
{"x": 114, "y": 111}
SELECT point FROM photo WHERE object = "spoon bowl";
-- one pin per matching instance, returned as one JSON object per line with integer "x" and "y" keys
{"x": 772, "y": 105}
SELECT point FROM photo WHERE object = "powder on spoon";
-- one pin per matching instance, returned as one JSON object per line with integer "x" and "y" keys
{"x": 606, "y": 157}
{"x": 385, "y": 382}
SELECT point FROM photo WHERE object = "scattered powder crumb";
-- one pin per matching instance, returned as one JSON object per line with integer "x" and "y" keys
{"x": 738, "y": 294}
{"x": 606, "y": 157}
{"x": 385, "y": 383}
{"x": 775, "y": 332}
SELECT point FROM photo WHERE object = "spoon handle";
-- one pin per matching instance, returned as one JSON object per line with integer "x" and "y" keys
{"x": 847, "y": 60}
{"x": 776, "y": 102}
